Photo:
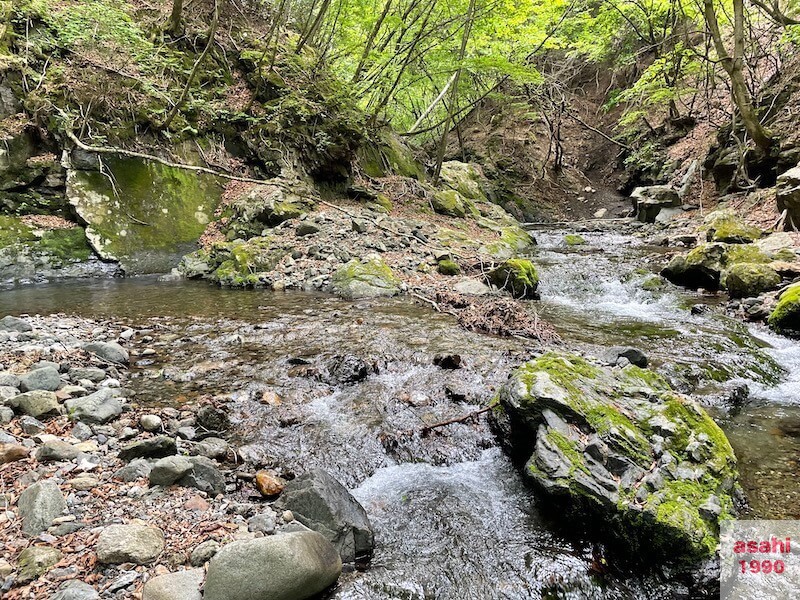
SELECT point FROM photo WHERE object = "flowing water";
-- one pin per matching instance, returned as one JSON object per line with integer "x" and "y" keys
{"x": 453, "y": 519}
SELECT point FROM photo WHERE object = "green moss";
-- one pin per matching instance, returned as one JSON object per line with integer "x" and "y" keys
{"x": 746, "y": 253}
{"x": 463, "y": 178}
{"x": 573, "y": 239}
{"x": 569, "y": 450}
{"x": 366, "y": 278}
{"x": 653, "y": 283}
{"x": 518, "y": 276}
{"x": 746, "y": 280}
{"x": 449, "y": 202}
{"x": 725, "y": 226}
{"x": 13, "y": 231}
{"x": 677, "y": 509}
{"x": 785, "y": 254}
{"x": 786, "y": 315}
{"x": 66, "y": 245}
{"x": 449, "y": 267}
{"x": 694, "y": 421}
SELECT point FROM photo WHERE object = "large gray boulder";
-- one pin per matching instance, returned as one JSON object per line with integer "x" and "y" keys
{"x": 181, "y": 585}
{"x": 100, "y": 407}
{"x": 168, "y": 470}
{"x": 649, "y": 201}
{"x": 9, "y": 323}
{"x": 138, "y": 544}
{"x": 109, "y": 351}
{"x": 37, "y": 404}
{"x": 46, "y": 378}
{"x": 291, "y": 566}
{"x": 39, "y": 505}
{"x": 787, "y": 195}
{"x": 323, "y": 504}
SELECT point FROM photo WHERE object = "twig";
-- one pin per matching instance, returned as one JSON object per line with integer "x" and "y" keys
{"x": 428, "y": 428}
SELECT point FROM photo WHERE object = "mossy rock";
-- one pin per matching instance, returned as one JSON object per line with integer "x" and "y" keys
{"x": 573, "y": 239}
{"x": 704, "y": 266}
{"x": 620, "y": 447}
{"x": 785, "y": 318}
{"x": 518, "y": 276}
{"x": 746, "y": 280}
{"x": 448, "y": 267}
{"x": 271, "y": 205}
{"x": 465, "y": 178}
{"x": 366, "y": 278}
{"x": 653, "y": 283}
{"x": 725, "y": 226}
{"x": 389, "y": 155}
{"x": 450, "y": 203}
{"x": 149, "y": 218}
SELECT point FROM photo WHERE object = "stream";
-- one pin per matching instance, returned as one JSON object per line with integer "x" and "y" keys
{"x": 452, "y": 517}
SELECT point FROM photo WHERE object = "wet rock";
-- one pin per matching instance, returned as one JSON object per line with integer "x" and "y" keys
{"x": 648, "y": 202}
{"x": 212, "y": 418}
{"x": 573, "y": 239}
{"x": 786, "y": 316}
{"x": 168, "y": 470}
{"x": 366, "y": 278}
{"x": 269, "y": 484}
{"x": 212, "y": 447}
{"x": 56, "y": 450}
{"x": 203, "y": 553}
{"x": 701, "y": 268}
{"x": 348, "y": 369}
{"x": 447, "y": 361}
{"x": 323, "y": 504}
{"x": 293, "y": 566}
{"x": 746, "y": 280}
{"x": 9, "y": 323}
{"x": 39, "y": 505}
{"x": 204, "y": 476}
{"x": 151, "y": 423}
{"x": 12, "y": 452}
{"x": 634, "y": 356}
{"x": 46, "y": 378}
{"x": 37, "y": 404}
{"x": 100, "y": 407}
{"x": 138, "y": 544}
{"x": 76, "y": 590}
{"x": 35, "y": 561}
{"x": 593, "y": 433}
{"x": 108, "y": 351}
{"x": 518, "y": 276}
{"x": 155, "y": 447}
{"x": 181, "y": 585}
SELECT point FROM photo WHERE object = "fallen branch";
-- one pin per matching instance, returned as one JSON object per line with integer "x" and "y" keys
{"x": 428, "y": 428}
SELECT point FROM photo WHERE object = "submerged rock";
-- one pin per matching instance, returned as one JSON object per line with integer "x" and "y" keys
{"x": 366, "y": 278}
{"x": 621, "y": 446}
{"x": 291, "y": 566}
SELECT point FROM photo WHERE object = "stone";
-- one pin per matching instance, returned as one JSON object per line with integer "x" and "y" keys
{"x": 39, "y": 505}
{"x": 204, "y": 476}
{"x": 292, "y": 566}
{"x": 151, "y": 423}
{"x": 305, "y": 229}
{"x": 37, "y": 404}
{"x": 634, "y": 356}
{"x": 366, "y": 278}
{"x": 181, "y": 585}
{"x": 262, "y": 523}
{"x": 472, "y": 287}
{"x": 84, "y": 483}
{"x": 785, "y": 318}
{"x": 108, "y": 351}
{"x": 168, "y": 470}
{"x": 133, "y": 471}
{"x": 702, "y": 267}
{"x": 6, "y": 415}
{"x": 323, "y": 504}
{"x": 348, "y": 369}
{"x": 35, "y": 561}
{"x": 9, "y": 323}
{"x": 155, "y": 447}
{"x": 450, "y": 203}
{"x": 724, "y": 225}
{"x": 787, "y": 195}
{"x": 747, "y": 280}
{"x": 591, "y": 434}
{"x": 47, "y": 378}
{"x": 573, "y": 239}
{"x": 93, "y": 374}
{"x": 138, "y": 544}
{"x": 269, "y": 484}
{"x": 211, "y": 447}
{"x": 649, "y": 201}
{"x": 212, "y": 418}
{"x": 518, "y": 276}
{"x": 56, "y": 450}
{"x": 203, "y": 553}
{"x": 448, "y": 267}
{"x": 76, "y": 590}
{"x": 12, "y": 453}
{"x": 100, "y": 407}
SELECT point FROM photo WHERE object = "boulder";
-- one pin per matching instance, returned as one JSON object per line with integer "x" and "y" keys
{"x": 100, "y": 407}
{"x": 138, "y": 544}
{"x": 76, "y": 590}
{"x": 93, "y": 374}
{"x": 785, "y": 318}
{"x": 291, "y": 566}
{"x": 37, "y": 404}
{"x": 465, "y": 178}
{"x": 619, "y": 447}
{"x": 701, "y": 268}
{"x": 154, "y": 447}
{"x": 649, "y": 201}
{"x": 450, "y": 203}
{"x": 518, "y": 276}
{"x": 633, "y": 355}
{"x": 39, "y": 505}
{"x": 323, "y": 504}
{"x": 56, "y": 450}
{"x": 168, "y": 470}
{"x": 272, "y": 204}
{"x": 366, "y": 278}
{"x": 9, "y": 323}
{"x": 747, "y": 280}
{"x": 472, "y": 287}
{"x": 35, "y": 561}
{"x": 181, "y": 585}
{"x": 787, "y": 194}
{"x": 204, "y": 476}
{"x": 46, "y": 378}
{"x": 109, "y": 351}
{"x": 725, "y": 226}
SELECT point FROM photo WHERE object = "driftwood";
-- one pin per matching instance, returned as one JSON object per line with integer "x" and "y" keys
{"x": 428, "y": 428}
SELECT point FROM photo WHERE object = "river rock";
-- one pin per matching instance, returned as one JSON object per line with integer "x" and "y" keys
{"x": 76, "y": 590}
{"x": 155, "y": 447}
{"x": 10, "y": 452}
{"x": 35, "y": 561}
{"x": 349, "y": 369}
{"x": 30, "y": 425}
{"x": 269, "y": 484}
{"x": 138, "y": 544}
{"x": 787, "y": 194}
{"x": 211, "y": 447}
{"x": 181, "y": 585}
{"x": 204, "y": 476}
{"x": 100, "y": 407}
{"x": 39, "y": 505}
{"x": 46, "y": 378}
{"x": 213, "y": 418}
{"x": 725, "y": 226}
{"x": 649, "y": 201}
{"x": 785, "y": 318}
{"x": 518, "y": 276}
{"x": 633, "y": 355}
{"x": 618, "y": 446}
{"x": 136, "y": 469}
{"x": 56, "y": 450}
{"x": 204, "y": 553}
{"x": 747, "y": 280}
{"x": 323, "y": 504}
{"x": 292, "y": 566}
{"x": 93, "y": 374}
{"x": 109, "y": 351}
{"x": 151, "y": 423}
{"x": 366, "y": 278}
{"x": 168, "y": 470}
{"x": 9, "y": 380}
{"x": 38, "y": 404}
{"x": 472, "y": 287}
{"x": 700, "y": 268}
{"x": 9, "y": 323}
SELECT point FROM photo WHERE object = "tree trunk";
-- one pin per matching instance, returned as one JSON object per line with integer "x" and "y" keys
{"x": 174, "y": 27}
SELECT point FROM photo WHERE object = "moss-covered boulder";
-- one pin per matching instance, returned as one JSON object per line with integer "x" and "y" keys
{"x": 619, "y": 447}
{"x": 725, "y": 226}
{"x": 746, "y": 280}
{"x": 466, "y": 179}
{"x": 149, "y": 217}
{"x": 450, "y": 203}
{"x": 238, "y": 264}
{"x": 518, "y": 276}
{"x": 448, "y": 267}
{"x": 387, "y": 154}
{"x": 366, "y": 278}
{"x": 573, "y": 239}
{"x": 785, "y": 318}
{"x": 705, "y": 265}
